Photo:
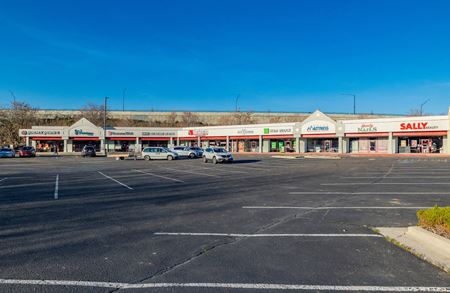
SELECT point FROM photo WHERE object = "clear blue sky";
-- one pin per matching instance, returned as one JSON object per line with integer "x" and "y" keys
{"x": 198, "y": 55}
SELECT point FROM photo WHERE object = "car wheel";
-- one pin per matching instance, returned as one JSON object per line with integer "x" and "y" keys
{"x": 191, "y": 155}
{"x": 169, "y": 158}
{"x": 147, "y": 158}
{"x": 205, "y": 160}
{"x": 214, "y": 160}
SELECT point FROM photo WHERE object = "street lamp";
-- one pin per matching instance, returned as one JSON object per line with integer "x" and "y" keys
{"x": 354, "y": 101}
{"x": 104, "y": 123}
{"x": 236, "y": 102}
{"x": 421, "y": 106}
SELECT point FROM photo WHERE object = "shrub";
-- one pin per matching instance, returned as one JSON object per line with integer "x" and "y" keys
{"x": 436, "y": 219}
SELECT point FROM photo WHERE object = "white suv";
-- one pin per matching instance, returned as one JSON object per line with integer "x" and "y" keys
{"x": 158, "y": 153}
{"x": 217, "y": 155}
{"x": 183, "y": 151}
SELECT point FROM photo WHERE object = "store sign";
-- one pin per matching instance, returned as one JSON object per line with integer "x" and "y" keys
{"x": 417, "y": 126}
{"x": 81, "y": 132}
{"x": 367, "y": 128}
{"x": 159, "y": 133}
{"x": 198, "y": 132}
{"x": 120, "y": 133}
{"x": 319, "y": 127}
{"x": 278, "y": 130}
{"x": 31, "y": 132}
{"x": 245, "y": 131}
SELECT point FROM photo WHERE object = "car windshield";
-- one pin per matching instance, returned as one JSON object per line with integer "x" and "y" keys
{"x": 27, "y": 148}
{"x": 219, "y": 150}
{"x": 5, "y": 150}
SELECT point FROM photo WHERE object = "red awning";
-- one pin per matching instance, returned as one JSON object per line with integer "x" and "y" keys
{"x": 156, "y": 138}
{"x": 421, "y": 133}
{"x": 46, "y": 138}
{"x": 85, "y": 138}
{"x": 368, "y": 134}
{"x": 121, "y": 138}
{"x": 320, "y": 135}
{"x": 279, "y": 136}
{"x": 213, "y": 138}
{"x": 188, "y": 138}
{"x": 245, "y": 137}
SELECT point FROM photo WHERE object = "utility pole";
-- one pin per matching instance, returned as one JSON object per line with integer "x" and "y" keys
{"x": 13, "y": 96}
{"x": 104, "y": 123}
{"x": 354, "y": 101}
{"x": 236, "y": 102}
{"x": 123, "y": 99}
{"x": 421, "y": 106}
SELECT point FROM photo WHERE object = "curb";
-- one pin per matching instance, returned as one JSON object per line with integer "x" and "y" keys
{"x": 424, "y": 244}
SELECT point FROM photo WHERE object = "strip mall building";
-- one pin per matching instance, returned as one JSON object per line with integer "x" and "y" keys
{"x": 317, "y": 133}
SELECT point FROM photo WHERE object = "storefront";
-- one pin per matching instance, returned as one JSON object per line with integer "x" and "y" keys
{"x": 420, "y": 143}
{"x": 316, "y": 134}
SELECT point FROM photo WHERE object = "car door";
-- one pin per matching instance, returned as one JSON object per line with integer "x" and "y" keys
{"x": 162, "y": 154}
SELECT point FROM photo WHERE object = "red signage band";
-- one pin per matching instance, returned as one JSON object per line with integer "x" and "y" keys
{"x": 85, "y": 138}
{"x": 121, "y": 138}
{"x": 420, "y": 133}
{"x": 213, "y": 138}
{"x": 245, "y": 137}
{"x": 46, "y": 138}
{"x": 279, "y": 136}
{"x": 155, "y": 138}
{"x": 320, "y": 135}
{"x": 367, "y": 134}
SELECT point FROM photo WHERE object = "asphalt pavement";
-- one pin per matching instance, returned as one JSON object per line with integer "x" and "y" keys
{"x": 261, "y": 224}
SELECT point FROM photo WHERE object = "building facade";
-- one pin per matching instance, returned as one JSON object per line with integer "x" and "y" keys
{"x": 318, "y": 133}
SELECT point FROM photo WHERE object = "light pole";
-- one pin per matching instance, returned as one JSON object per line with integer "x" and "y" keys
{"x": 123, "y": 99}
{"x": 354, "y": 101}
{"x": 421, "y": 106}
{"x": 236, "y": 102}
{"x": 104, "y": 123}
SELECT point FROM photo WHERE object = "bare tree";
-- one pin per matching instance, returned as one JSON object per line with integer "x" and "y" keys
{"x": 94, "y": 113}
{"x": 190, "y": 119}
{"x": 414, "y": 112}
{"x": 243, "y": 118}
{"x": 171, "y": 120}
{"x": 18, "y": 115}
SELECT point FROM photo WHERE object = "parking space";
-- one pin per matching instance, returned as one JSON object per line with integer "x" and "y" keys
{"x": 260, "y": 223}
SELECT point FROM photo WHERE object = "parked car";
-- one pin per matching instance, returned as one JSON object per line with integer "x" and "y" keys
{"x": 27, "y": 151}
{"x": 88, "y": 151}
{"x": 183, "y": 151}
{"x": 7, "y": 153}
{"x": 217, "y": 155}
{"x": 158, "y": 153}
{"x": 198, "y": 151}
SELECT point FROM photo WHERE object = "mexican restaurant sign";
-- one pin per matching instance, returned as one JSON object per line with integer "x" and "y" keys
{"x": 31, "y": 132}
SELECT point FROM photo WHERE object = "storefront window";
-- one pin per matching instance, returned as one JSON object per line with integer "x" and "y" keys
{"x": 421, "y": 145}
{"x": 155, "y": 143}
{"x": 282, "y": 145}
{"x": 369, "y": 145}
{"x": 77, "y": 145}
{"x": 245, "y": 145}
{"x": 121, "y": 145}
{"x": 327, "y": 145}
{"x": 49, "y": 146}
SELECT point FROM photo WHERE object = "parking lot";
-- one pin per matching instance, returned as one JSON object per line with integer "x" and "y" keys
{"x": 71, "y": 224}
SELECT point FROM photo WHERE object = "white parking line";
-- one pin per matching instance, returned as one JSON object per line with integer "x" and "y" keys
{"x": 369, "y": 193}
{"x": 124, "y": 185}
{"x": 263, "y": 235}
{"x": 191, "y": 172}
{"x": 56, "y": 187}
{"x": 222, "y": 170}
{"x": 160, "y": 176}
{"x": 397, "y": 177}
{"x": 385, "y": 183}
{"x": 335, "y": 208}
{"x": 256, "y": 286}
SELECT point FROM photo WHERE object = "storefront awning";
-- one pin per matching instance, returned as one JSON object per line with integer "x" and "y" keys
{"x": 84, "y": 138}
{"x": 420, "y": 133}
{"x": 213, "y": 138}
{"x": 320, "y": 135}
{"x": 368, "y": 134}
{"x": 245, "y": 137}
{"x": 188, "y": 138}
{"x": 122, "y": 138}
{"x": 279, "y": 136}
{"x": 46, "y": 138}
{"x": 156, "y": 138}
